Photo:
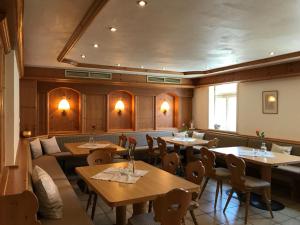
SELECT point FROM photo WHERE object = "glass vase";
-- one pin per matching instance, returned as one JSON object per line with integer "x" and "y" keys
{"x": 263, "y": 147}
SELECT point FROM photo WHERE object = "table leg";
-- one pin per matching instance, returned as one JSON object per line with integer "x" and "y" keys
{"x": 139, "y": 208}
{"x": 177, "y": 148}
{"x": 189, "y": 154}
{"x": 266, "y": 174}
{"x": 121, "y": 215}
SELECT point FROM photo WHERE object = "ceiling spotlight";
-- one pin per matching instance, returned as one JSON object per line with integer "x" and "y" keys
{"x": 96, "y": 45}
{"x": 118, "y": 64}
{"x": 164, "y": 68}
{"x": 142, "y": 67}
{"x": 272, "y": 53}
{"x": 113, "y": 29}
{"x": 142, "y": 3}
{"x": 83, "y": 56}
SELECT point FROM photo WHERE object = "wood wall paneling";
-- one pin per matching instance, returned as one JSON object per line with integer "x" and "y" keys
{"x": 165, "y": 120}
{"x": 184, "y": 111}
{"x": 145, "y": 108}
{"x": 2, "y": 69}
{"x": 58, "y": 122}
{"x": 125, "y": 120}
{"x": 95, "y": 113}
{"x": 28, "y": 106}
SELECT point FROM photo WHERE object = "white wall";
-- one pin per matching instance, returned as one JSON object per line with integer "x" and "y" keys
{"x": 284, "y": 125}
{"x": 12, "y": 108}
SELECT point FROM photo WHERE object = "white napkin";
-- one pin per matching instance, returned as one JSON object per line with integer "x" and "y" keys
{"x": 257, "y": 153}
{"x": 120, "y": 175}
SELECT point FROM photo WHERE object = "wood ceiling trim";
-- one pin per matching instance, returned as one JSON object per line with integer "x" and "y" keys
{"x": 4, "y": 34}
{"x": 249, "y": 65}
{"x": 120, "y": 68}
{"x": 88, "y": 18}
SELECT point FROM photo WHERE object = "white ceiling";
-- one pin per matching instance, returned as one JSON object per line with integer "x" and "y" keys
{"x": 180, "y": 35}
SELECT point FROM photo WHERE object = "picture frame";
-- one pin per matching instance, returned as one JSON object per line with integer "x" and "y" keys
{"x": 270, "y": 102}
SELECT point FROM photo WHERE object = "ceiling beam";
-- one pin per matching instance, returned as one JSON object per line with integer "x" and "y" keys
{"x": 88, "y": 18}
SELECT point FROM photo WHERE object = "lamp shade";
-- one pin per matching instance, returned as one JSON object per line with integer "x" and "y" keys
{"x": 165, "y": 107}
{"x": 64, "y": 105}
{"x": 120, "y": 106}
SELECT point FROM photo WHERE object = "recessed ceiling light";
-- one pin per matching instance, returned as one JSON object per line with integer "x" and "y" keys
{"x": 164, "y": 68}
{"x": 113, "y": 29}
{"x": 118, "y": 64}
{"x": 142, "y": 3}
{"x": 83, "y": 56}
{"x": 272, "y": 53}
{"x": 142, "y": 67}
{"x": 96, "y": 45}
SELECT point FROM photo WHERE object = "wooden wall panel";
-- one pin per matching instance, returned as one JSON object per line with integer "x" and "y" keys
{"x": 124, "y": 120}
{"x": 2, "y": 70}
{"x": 145, "y": 112}
{"x": 165, "y": 120}
{"x": 28, "y": 106}
{"x": 95, "y": 113}
{"x": 184, "y": 111}
{"x": 42, "y": 113}
{"x": 57, "y": 121}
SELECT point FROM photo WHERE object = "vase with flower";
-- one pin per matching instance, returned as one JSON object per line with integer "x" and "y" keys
{"x": 261, "y": 135}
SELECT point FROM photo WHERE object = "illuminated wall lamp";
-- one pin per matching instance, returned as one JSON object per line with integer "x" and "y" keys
{"x": 165, "y": 107}
{"x": 64, "y": 106}
{"x": 119, "y": 107}
{"x": 271, "y": 98}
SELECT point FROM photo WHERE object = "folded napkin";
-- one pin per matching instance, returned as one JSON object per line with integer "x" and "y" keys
{"x": 93, "y": 145}
{"x": 120, "y": 175}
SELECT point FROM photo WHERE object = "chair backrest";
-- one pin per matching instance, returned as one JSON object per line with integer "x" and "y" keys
{"x": 150, "y": 143}
{"x": 131, "y": 145}
{"x": 213, "y": 143}
{"x": 237, "y": 168}
{"x": 208, "y": 159}
{"x": 195, "y": 172}
{"x": 162, "y": 146}
{"x": 170, "y": 162}
{"x": 100, "y": 156}
{"x": 122, "y": 141}
{"x": 171, "y": 208}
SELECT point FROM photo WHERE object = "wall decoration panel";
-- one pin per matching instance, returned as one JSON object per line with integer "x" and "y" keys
{"x": 168, "y": 119}
{"x": 145, "y": 113}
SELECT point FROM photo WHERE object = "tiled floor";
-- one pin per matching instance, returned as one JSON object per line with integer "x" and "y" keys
{"x": 206, "y": 215}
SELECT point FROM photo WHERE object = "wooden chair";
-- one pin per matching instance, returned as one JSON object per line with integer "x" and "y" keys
{"x": 153, "y": 153}
{"x": 122, "y": 141}
{"x": 169, "y": 209}
{"x": 211, "y": 172}
{"x": 244, "y": 184}
{"x": 195, "y": 172}
{"x": 97, "y": 157}
{"x": 162, "y": 147}
{"x": 171, "y": 162}
{"x": 211, "y": 144}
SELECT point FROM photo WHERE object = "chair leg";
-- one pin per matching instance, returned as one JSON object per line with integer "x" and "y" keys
{"x": 228, "y": 200}
{"x": 89, "y": 201}
{"x": 247, "y": 206}
{"x": 217, "y": 194}
{"x": 203, "y": 188}
{"x": 94, "y": 206}
{"x": 268, "y": 202}
{"x": 193, "y": 217}
{"x": 221, "y": 187}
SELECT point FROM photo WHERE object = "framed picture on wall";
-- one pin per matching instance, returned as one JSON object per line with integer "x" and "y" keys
{"x": 270, "y": 102}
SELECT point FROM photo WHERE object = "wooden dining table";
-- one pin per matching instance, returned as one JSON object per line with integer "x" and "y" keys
{"x": 264, "y": 161}
{"x": 155, "y": 183}
{"x": 76, "y": 149}
{"x": 187, "y": 143}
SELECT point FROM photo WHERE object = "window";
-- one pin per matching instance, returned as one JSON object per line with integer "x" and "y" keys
{"x": 222, "y": 107}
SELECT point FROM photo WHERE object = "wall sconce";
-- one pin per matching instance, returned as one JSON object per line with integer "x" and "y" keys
{"x": 119, "y": 107}
{"x": 271, "y": 98}
{"x": 165, "y": 107}
{"x": 64, "y": 105}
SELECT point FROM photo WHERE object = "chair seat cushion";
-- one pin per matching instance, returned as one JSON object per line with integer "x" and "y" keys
{"x": 143, "y": 219}
{"x": 253, "y": 182}
{"x": 222, "y": 172}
